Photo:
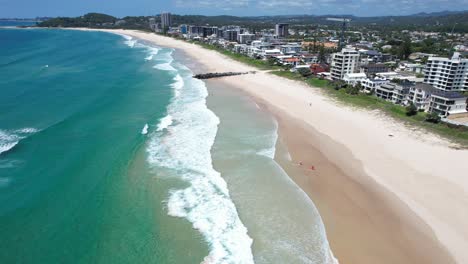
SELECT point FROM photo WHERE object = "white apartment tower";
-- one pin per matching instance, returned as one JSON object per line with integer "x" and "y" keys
{"x": 344, "y": 62}
{"x": 166, "y": 20}
{"x": 447, "y": 74}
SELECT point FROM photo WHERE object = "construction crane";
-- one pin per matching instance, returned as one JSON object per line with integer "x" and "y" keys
{"x": 343, "y": 28}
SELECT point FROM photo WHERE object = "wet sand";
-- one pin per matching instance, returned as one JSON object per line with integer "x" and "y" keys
{"x": 365, "y": 223}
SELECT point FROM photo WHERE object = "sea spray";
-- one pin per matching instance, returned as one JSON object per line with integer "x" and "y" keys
{"x": 183, "y": 144}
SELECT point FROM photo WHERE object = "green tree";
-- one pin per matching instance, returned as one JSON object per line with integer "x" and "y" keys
{"x": 433, "y": 118}
{"x": 304, "y": 72}
{"x": 405, "y": 49}
{"x": 322, "y": 56}
{"x": 352, "y": 89}
{"x": 271, "y": 61}
{"x": 411, "y": 110}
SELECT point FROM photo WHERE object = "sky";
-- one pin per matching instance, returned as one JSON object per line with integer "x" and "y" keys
{"x": 120, "y": 8}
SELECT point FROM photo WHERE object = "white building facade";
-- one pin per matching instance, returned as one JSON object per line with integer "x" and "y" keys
{"x": 166, "y": 20}
{"x": 346, "y": 61}
{"x": 447, "y": 74}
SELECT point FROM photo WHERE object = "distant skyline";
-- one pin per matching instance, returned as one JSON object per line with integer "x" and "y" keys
{"x": 120, "y": 8}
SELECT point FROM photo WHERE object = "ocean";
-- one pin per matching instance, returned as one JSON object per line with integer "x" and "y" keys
{"x": 110, "y": 152}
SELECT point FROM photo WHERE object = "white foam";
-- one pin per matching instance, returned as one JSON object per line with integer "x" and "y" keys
{"x": 164, "y": 67}
{"x": 7, "y": 146}
{"x": 27, "y": 130}
{"x": 152, "y": 52}
{"x": 270, "y": 151}
{"x": 185, "y": 149}
{"x": 144, "y": 131}
{"x": 164, "y": 123}
{"x": 9, "y": 139}
{"x": 129, "y": 41}
{"x": 178, "y": 85}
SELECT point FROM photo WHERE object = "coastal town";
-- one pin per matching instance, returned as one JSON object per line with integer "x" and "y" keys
{"x": 245, "y": 132}
{"x": 426, "y": 82}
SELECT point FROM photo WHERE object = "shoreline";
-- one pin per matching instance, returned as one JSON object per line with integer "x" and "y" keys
{"x": 387, "y": 230}
{"x": 408, "y": 173}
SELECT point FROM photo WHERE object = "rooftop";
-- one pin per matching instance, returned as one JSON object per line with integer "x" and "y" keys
{"x": 426, "y": 87}
{"x": 448, "y": 95}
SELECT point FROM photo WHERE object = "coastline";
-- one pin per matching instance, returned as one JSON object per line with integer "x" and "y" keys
{"x": 380, "y": 169}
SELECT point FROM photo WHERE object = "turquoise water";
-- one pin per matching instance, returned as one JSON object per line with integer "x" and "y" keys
{"x": 110, "y": 153}
{"x": 74, "y": 181}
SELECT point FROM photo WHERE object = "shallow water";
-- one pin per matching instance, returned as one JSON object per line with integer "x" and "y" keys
{"x": 109, "y": 153}
{"x": 282, "y": 221}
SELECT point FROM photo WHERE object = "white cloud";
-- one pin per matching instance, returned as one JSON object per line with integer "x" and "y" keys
{"x": 359, "y": 7}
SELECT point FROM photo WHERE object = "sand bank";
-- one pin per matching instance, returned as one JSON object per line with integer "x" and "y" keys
{"x": 384, "y": 199}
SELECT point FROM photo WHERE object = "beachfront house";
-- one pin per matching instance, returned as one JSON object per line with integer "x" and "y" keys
{"x": 354, "y": 78}
{"x": 370, "y": 84}
{"x": 394, "y": 92}
{"x": 448, "y": 103}
{"x": 266, "y": 54}
{"x": 420, "y": 95}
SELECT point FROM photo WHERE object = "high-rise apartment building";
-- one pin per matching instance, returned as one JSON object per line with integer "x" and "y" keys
{"x": 344, "y": 62}
{"x": 447, "y": 74}
{"x": 281, "y": 30}
{"x": 166, "y": 20}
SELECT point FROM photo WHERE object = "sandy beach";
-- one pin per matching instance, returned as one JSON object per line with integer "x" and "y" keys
{"x": 387, "y": 193}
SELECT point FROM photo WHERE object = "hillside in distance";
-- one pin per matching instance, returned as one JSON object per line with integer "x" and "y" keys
{"x": 439, "y": 22}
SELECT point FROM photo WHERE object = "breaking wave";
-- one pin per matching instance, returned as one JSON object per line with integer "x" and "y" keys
{"x": 129, "y": 41}
{"x": 152, "y": 52}
{"x": 10, "y": 138}
{"x": 182, "y": 144}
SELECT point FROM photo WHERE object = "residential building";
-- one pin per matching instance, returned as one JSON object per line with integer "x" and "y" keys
{"x": 394, "y": 92}
{"x": 152, "y": 23}
{"x": 245, "y": 38}
{"x": 373, "y": 68}
{"x": 202, "y": 31}
{"x": 319, "y": 68}
{"x": 282, "y": 30}
{"x": 166, "y": 21}
{"x": 354, "y": 78}
{"x": 409, "y": 76}
{"x": 447, "y": 103}
{"x": 413, "y": 67}
{"x": 230, "y": 34}
{"x": 291, "y": 48}
{"x": 447, "y": 74}
{"x": 420, "y": 95}
{"x": 346, "y": 61}
{"x": 183, "y": 29}
{"x": 372, "y": 56}
{"x": 309, "y": 58}
{"x": 369, "y": 85}
{"x": 266, "y": 54}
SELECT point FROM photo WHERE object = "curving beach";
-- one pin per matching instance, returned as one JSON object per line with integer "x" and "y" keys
{"x": 383, "y": 199}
